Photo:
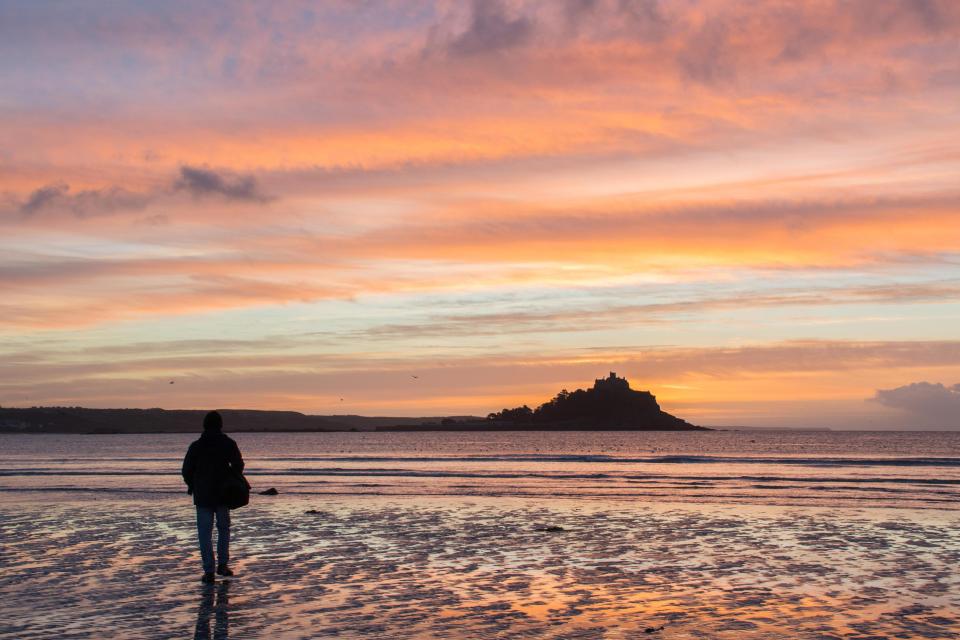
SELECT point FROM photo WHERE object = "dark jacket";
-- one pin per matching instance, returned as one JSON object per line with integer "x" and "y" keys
{"x": 208, "y": 463}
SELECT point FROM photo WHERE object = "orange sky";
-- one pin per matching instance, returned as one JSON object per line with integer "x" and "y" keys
{"x": 749, "y": 208}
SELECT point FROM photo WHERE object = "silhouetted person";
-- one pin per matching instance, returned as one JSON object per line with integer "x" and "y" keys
{"x": 209, "y": 462}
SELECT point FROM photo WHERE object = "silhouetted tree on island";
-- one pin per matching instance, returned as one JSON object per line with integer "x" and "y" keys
{"x": 609, "y": 403}
{"x": 522, "y": 414}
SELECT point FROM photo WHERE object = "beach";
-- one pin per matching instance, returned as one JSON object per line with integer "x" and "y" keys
{"x": 86, "y": 558}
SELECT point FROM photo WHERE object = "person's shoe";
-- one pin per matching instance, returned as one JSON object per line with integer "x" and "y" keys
{"x": 208, "y": 578}
{"x": 224, "y": 570}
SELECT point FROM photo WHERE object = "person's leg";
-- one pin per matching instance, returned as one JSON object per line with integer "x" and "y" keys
{"x": 204, "y": 533}
{"x": 223, "y": 536}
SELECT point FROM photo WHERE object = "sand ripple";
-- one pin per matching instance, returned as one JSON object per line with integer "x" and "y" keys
{"x": 409, "y": 568}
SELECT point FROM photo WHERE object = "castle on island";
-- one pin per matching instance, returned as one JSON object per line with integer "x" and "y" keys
{"x": 612, "y": 382}
{"x": 609, "y": 404}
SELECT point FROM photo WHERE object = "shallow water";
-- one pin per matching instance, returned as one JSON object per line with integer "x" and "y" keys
{"x": 414, "y": 535}
{"x": 915, "y": 470}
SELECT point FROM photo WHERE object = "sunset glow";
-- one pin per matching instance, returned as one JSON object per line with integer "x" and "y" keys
{"x": 751, "y": 209}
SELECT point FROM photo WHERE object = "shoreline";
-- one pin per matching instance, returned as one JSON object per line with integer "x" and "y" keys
{"x": 60, "y": 495}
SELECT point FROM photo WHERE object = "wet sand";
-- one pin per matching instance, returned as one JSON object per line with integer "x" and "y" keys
{"x": 88, "y": 566}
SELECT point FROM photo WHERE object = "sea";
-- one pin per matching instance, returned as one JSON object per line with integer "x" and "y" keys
{"x": 915, "y": 470}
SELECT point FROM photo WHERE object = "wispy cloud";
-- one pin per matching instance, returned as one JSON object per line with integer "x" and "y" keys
{"x": 43, "y": 197}
{"x": 589, "y": 319}
{"x": 57, "y": 198}
{"x": 491, "y": 29}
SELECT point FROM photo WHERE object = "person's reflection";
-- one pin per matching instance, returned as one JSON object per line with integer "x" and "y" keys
{"x": 218, "y": 608}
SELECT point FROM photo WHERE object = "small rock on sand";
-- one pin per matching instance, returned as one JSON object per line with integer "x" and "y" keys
{"x": 269, "y": 492}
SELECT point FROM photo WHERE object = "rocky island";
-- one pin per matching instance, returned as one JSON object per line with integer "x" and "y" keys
{"x": 610, "y": 405}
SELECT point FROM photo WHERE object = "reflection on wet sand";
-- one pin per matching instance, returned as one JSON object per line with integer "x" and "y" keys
{"x": 216, "y": 607}
{"x": 393, "y": 568}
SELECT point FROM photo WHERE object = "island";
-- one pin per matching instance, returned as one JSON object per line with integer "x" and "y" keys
{"x": 610, "y": 405}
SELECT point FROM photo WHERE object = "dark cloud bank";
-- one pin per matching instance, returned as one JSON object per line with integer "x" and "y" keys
{"x": 930, "y": 404}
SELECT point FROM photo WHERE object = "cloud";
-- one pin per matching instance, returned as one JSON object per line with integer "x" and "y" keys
{"x": 43, "y": 198}
{"x": 577, "y": 319}
{"x": 933, "y": 404}
{"x": 57, "y": 198}
{"x": 491, "y": 29}
{"x": 487, "y": 147}
{"x": 129, "y": 299}
{"x": 709, "y": 55}
{"x": 627, "y": 76}
{"x": 200, "y": 182}
{"x": 764, "y": 233}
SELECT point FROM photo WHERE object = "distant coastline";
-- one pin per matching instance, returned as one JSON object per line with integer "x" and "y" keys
{"x": 80, "y": 420}
{"x": 610, "y": 405}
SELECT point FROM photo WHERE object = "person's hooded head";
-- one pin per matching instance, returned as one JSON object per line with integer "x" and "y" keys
{"x": 212, "y": 422}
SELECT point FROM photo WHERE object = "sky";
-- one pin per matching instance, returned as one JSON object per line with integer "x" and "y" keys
{"x": 751, "y": 209}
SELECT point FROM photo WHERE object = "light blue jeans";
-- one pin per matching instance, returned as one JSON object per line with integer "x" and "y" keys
{"x": 205, "y": 534}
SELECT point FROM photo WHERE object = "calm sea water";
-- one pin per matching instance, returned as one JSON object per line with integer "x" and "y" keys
{"x": 903, "y": 469}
